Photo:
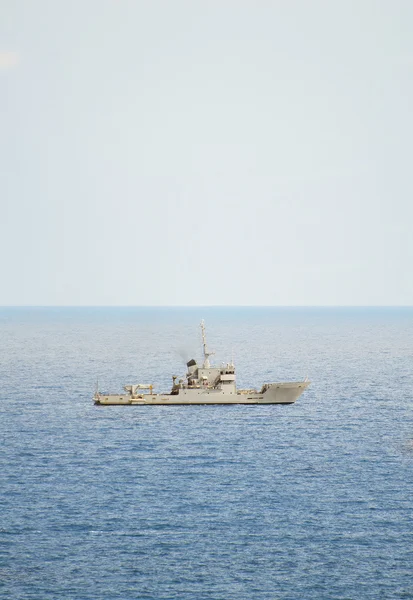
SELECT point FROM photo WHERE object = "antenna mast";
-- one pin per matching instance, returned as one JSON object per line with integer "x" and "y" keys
{"x": 206, "y": 353}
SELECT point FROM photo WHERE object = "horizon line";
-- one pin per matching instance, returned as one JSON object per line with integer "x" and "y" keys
{"x": 186, "y": 306}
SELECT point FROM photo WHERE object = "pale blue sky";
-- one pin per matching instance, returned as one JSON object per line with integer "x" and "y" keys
{"x": 206, "y": 152}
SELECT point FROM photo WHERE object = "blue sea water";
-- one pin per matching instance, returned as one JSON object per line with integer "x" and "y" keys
{"x": 307, "y": 501}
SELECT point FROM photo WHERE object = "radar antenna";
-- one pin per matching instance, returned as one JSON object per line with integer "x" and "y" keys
{"x": 206, "y": 353}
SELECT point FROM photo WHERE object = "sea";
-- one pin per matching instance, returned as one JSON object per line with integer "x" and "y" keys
{"x": 307, "y": 501}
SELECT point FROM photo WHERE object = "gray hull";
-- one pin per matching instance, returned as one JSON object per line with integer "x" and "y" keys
{"x": 205, "y": 384}
{"x": 276, "y": 393}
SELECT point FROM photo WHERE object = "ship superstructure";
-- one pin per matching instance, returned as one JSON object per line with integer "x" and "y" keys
{"x": 205, "y": 384}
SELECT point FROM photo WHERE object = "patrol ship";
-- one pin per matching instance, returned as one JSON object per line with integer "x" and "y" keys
{"x": 205, "y": 384}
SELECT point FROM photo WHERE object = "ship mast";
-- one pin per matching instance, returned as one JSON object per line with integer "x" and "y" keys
{"x": 206, "y": 353}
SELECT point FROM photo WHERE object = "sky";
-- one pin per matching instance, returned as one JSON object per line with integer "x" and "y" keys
{"x": 220, "y": 152}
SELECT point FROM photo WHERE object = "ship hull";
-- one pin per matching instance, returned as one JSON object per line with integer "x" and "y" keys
{"x": 276, "y": 393}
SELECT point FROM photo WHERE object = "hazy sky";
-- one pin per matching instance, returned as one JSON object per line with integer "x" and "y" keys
{"x": 206, "y": 152}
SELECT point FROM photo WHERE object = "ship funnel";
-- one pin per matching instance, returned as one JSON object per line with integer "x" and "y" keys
{"x": 192, "y": 367}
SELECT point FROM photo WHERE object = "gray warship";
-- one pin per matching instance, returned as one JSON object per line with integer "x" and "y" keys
{"x": 205, "y": 384}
